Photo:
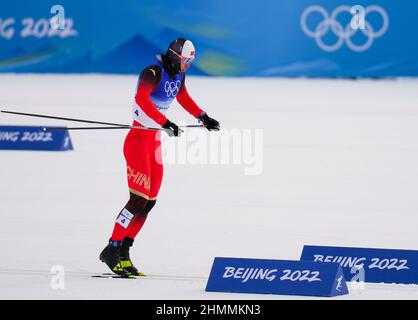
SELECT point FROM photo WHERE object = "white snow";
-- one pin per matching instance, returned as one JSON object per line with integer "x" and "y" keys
{"x": 340, "y": 167}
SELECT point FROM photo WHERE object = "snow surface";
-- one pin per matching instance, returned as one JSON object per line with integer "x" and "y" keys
{"x": 340, "y": 167}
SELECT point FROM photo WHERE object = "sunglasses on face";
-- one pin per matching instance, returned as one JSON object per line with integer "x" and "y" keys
{"x": 186, "y": 60}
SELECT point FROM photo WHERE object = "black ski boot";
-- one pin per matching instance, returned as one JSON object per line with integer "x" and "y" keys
{"x": 125, "y": 259}
{"x": 111, "y": 256}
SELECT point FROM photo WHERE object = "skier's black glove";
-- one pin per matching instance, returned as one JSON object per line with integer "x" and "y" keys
{"x": 209, "y": 123}
{"x": 172, "y": 129}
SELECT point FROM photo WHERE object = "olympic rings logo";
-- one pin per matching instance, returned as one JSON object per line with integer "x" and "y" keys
{"x": 172, "y": 88}
{"x": 344, "y": 34}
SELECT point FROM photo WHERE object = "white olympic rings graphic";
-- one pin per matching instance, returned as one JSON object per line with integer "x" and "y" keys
{"x": 344, "y": 34}
{"x": 172, "y": 88}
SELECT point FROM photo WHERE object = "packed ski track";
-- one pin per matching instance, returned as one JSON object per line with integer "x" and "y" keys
{"x": 338, "y": 167}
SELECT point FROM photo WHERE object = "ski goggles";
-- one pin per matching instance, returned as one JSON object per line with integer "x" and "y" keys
{"x": 186, "y": 60}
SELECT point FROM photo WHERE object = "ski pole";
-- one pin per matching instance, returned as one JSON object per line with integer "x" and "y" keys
{"x": 118, "y": 127}
{"x": 62, "y": 118}
{"x": 113, "y": 125}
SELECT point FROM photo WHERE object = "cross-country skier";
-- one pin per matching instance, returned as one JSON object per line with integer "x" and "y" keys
{"x": 157, "y": 87}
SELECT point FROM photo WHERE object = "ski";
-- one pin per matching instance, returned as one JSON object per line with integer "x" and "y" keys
{"x": 74, "y": 273}
{"x": 115, "y": 276}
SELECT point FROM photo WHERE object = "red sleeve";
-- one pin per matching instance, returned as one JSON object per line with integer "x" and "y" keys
{"x": 187, "y": 102}
{"x": 147, "y": 84}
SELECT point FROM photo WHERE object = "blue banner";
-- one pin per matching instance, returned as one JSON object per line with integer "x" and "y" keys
{"x": 314, "y": 38}
{"x": 369, "y": 265}
{"x": 276, "y": 277}
{"x": 34, "y": 138}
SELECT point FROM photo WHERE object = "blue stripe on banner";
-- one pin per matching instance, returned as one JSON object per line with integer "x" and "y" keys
{"x": 276, "y": 277}
{"x": 34, "y": 138}
{"x": 368, "y": 264}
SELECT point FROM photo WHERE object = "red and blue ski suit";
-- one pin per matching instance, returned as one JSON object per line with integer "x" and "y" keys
{"x": 155, "y": 92}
